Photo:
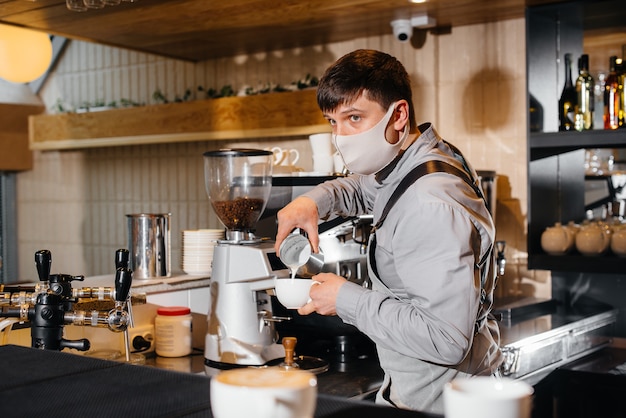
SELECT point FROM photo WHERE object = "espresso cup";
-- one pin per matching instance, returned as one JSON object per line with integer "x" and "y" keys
{"x": 293, "y": 293}
{"x": 487, "y": 397}
{"x": 263, "y": 393}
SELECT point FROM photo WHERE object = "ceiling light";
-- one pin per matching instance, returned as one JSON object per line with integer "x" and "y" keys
{"x": 25, "y": 54}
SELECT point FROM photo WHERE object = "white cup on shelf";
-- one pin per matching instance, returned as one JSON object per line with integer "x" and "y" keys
{"x": 321, "y": 144}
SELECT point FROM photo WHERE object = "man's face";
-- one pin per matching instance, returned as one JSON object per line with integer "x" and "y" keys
{"x": 356, "y": 117}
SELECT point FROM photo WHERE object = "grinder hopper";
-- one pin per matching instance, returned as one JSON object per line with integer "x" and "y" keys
{"x": 238, "y": 183}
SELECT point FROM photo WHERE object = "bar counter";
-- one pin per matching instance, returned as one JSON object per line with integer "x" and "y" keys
{"x": 56, "y": 384}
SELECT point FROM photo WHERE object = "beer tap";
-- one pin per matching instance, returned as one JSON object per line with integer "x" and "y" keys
{"x": 123, "y": 307}
{"x": 48, "y": 305}
{"x": 43, "y": 263}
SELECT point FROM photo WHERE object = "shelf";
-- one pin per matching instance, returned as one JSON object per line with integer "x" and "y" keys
{"x": 250, "y": 117}
{"x": 577, "y": 263}
{"x": 548, "y": 144}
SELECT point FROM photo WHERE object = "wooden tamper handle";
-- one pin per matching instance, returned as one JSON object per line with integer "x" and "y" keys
{"x": 290, "y": 345}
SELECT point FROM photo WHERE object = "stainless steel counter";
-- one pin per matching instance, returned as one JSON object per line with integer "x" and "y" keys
{"x": 536, "y": 343}
{"x": 358, "y": 379}
{"x": 540, "y": 341}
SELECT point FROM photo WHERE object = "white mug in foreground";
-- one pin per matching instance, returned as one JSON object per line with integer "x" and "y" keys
{"x": 487, "y": 397}
{"x": 293, "y": 293}
{"x": 263, "y": 393}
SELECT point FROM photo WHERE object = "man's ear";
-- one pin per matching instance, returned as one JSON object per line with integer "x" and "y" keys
{"x": 401, "y": 115}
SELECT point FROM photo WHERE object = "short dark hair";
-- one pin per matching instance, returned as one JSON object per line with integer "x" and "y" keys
{"x": 379, "y": 75}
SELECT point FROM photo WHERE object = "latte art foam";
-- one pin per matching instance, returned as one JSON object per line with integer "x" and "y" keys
{"x": 271, "y": 377}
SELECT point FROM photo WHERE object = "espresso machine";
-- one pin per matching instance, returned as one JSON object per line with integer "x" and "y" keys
{"x": 240, "y": 329}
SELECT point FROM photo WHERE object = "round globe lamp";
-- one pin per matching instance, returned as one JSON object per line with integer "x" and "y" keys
{"x": 25, "y": 54}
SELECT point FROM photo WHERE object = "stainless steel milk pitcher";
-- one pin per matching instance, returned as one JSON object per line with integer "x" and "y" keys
{"x": 149, "y": 245}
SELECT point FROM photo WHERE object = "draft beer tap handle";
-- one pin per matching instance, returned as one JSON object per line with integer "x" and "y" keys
{"x": 122, "y": 258}
{"x": 43, "y": 262}
{"x": 123, "y": 281}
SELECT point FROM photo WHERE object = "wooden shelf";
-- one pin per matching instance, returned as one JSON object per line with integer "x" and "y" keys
{"x": 253, "y": 117}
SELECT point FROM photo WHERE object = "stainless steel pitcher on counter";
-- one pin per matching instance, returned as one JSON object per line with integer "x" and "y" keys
{"x": 149, "y": 245}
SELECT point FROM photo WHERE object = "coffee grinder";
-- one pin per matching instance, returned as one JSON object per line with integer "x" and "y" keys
{"x": 241, "y": 328}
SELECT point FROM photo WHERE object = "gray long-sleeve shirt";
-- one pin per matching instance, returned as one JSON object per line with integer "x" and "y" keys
{"x": 422, "y": 312}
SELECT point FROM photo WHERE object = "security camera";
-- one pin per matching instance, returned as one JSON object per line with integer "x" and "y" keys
{"x": 402, "y": 29}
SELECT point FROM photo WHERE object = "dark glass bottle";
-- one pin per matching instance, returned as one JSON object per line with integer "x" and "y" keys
{"x": 567, "y": 102}
{"x": 536, "y": 114}
{"x": 583, "y": 114}
{"x": 620, "y": 69}
{"x": 611, "y": 97}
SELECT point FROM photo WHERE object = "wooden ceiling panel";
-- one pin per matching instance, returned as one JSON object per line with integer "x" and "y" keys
{"x": 196, "y": 30}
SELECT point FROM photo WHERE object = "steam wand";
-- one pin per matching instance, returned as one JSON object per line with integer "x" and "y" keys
{"x": 500, "y": 259}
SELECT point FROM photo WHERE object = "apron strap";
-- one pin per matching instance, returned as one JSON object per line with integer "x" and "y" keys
{"x": 428, "y": 167}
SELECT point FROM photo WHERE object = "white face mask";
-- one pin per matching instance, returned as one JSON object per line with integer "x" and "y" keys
{"x": 369, "y": 152}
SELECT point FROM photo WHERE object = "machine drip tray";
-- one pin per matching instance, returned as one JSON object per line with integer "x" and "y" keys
{"x": 515, "y": 308}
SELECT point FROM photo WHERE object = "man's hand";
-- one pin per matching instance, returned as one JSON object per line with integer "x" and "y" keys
{"x": 323, "y": 295}
{"x": 300, "y": 213}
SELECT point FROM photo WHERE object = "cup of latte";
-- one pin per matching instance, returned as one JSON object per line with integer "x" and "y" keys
{"x": 293, "y": 293}
{"x": 263, "y": 393}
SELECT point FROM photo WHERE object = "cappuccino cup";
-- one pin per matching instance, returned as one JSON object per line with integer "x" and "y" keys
{"x": 293, "y": 293}
{"x": 263, "y": 393}
{"x": 487, "y": 397}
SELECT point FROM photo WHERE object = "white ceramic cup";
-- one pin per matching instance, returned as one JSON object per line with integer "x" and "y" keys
{"x": 338, "y": 163}
{"x": 285, "y": 157}
{"x": 263, "y": 393}
{"x": 321, "y": 144}
{"x": 487, "y": 397}
{"x": 293, "y": 293}
{"x": 323, "y": 163}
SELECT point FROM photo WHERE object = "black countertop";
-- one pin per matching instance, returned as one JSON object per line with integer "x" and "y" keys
{"x": 591, "y": 387}
{"x": 55, "y": 384}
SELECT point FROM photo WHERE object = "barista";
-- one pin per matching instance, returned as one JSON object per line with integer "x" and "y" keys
{"x": 427, "y": 308}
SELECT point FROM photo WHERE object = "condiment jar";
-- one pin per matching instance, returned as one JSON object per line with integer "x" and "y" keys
{"x": 557, "y": 239}
{"x": 618, "y": 240}
{"x": 173, "y": 326}
{"x": 593, "y": 239}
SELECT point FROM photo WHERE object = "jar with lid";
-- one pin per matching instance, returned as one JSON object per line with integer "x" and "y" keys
{"x": 173, "y": 331}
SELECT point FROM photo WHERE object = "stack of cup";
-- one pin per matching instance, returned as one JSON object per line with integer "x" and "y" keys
{"x": 197, "y": 250}
{"x": 322, "y": 146}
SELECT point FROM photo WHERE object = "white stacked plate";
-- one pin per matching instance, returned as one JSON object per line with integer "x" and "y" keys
{"x": 197, "y": 250}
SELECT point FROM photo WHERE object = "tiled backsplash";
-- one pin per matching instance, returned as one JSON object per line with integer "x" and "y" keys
{"x": 470, "y": 84}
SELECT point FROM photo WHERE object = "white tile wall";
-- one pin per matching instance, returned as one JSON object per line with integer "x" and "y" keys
{"x": 470, "y": 83}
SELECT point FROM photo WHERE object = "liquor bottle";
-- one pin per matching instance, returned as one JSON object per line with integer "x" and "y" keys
{"x": 567, "y": 102}
{"x": 611, "y": 97}
{"x": 620, "y": 69}
{"x": 583, "y": 114}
